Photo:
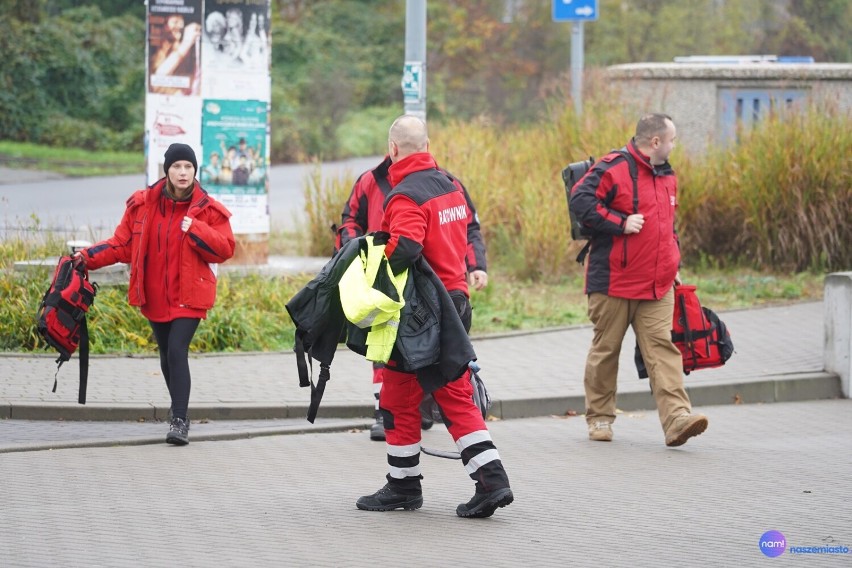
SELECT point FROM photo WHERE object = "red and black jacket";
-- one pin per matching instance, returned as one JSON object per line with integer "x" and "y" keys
{"x": 426, "y": 214}
{"x": 363, "y": 212}
{"x": 640, "y": 266}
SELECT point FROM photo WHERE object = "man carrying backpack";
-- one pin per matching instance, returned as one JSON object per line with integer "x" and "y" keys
{"x": 362, "y": 214}
{"x": 630, "y": 272}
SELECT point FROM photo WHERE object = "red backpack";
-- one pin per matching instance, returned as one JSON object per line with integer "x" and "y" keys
{"x": 61, "y": 317}
{"x": 702, "y": 338}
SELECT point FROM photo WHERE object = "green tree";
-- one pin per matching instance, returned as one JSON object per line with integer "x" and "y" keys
{"x": 73, "y": 70}
{"x": 329, "y": 58}
{"x": 821, "y": 28}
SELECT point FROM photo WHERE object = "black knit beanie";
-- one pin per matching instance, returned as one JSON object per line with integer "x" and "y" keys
{"x": 177, "y": 152}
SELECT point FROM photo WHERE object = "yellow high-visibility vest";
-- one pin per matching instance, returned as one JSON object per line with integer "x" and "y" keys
{"x": 367, "y": 307}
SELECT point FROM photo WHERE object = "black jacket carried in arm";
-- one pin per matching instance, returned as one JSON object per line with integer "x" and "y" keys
{"x": 431, "y": 340}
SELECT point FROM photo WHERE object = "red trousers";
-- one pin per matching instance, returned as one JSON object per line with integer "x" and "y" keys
{"x": 399, "y": 403}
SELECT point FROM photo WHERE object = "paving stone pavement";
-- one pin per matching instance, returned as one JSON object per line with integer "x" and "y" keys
{"x": 290, "y": 500}
{"x": 778, "y": 357}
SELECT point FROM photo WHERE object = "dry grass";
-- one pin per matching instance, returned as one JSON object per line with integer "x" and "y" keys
{"x": 780, "y": 199}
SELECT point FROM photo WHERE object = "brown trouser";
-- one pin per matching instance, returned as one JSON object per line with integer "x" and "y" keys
{"x": 652, "y": 324}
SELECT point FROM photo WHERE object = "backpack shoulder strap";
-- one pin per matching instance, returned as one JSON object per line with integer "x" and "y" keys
{"x": 84, "y": 361}
{"x": 634, "y": 175}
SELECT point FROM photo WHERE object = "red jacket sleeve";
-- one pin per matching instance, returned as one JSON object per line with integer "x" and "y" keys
{"x": 406, "y": 223}
{"x": 354, "y": 220}
{"x": 210, "y": 234}
{"x": 117, "y": 248}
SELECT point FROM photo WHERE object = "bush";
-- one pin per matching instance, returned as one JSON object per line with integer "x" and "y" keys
{"x": 249, "y": 316}
{"x": 80, "y": 66}
{"x": 514, "y": 177}
{"x": 365, "y": 132}
{"x": 250, "y": 313}
{"x": 779, "y": 199}
{"x": 323, "y": 203}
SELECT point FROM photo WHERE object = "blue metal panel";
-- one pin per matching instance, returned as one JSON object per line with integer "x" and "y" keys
{"x": 745, "y": 107}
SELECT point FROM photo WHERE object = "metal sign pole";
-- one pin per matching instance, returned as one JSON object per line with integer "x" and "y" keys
{"x": 576, "y": 12}
{"x": 577, "y": 66}
{"x": 414, "y": 74}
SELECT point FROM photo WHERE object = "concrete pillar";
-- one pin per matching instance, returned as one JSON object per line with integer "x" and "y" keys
{"x": 837, "y": 303}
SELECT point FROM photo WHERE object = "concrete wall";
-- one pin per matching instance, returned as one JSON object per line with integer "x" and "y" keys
{"x": 837, "y": 304}
{"x": 689, "y": 92}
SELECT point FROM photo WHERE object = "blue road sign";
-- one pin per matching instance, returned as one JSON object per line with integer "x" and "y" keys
{"x": 574, "y": 10}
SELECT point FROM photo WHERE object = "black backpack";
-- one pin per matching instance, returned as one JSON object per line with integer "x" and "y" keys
{"x": 61, "y": 317}
{"x": 573, "y": 173}
{"x": 570, "y": 176}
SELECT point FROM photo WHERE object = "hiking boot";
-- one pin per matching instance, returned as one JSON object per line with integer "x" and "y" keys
{"x": 386, "y": 499}
{"x": 600, "y": 431}
{"x": 426, "y": 407}
{"x": 484, "y": 504}
{"x": 436, "y": 414}
{"x": 377, "y": 430}
{"x": 178, "y": 432}
{"x": 685, "y": 427}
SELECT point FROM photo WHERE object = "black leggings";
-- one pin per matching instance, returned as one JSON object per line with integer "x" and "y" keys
{"x": 173, "y": 339}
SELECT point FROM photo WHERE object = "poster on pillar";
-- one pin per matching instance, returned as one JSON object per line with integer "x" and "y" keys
{"x": 174, "y": 47}
{"x": 236, "y": 46}
{"x": 209, "y": 86}
{"x": 169, "y": 119}
{"x": 234, "y": 163}
{"x": 237, "y": 35}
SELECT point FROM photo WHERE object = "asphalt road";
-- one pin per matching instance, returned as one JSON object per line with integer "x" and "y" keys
{"x": 86, "y": 208}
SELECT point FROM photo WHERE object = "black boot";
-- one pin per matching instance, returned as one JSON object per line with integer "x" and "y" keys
{"x": 484, "y": 504}
{"x": 377, "y": 430}
{"x": 387, "y": 499}
{"x": 426, "y": 412}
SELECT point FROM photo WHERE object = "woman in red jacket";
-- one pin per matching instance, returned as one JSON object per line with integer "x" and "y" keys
{"x": 173, "y": 235}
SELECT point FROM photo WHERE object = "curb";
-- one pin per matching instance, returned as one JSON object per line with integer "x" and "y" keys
{"x": 119, "y": 440}
{"x": 780, "y": 388}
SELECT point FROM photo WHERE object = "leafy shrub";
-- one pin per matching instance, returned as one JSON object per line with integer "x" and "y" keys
{"x": 249, "y": 316}
{"x": 78, "y": 65}
{"x": 778, "y": 199}
{"x": 365, "y": 132}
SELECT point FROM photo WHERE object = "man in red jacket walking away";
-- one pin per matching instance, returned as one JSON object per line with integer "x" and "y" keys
{"x": 362, "y": 214}
{"x": 426, "y": 215}
{"x": 630, "y": 275}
